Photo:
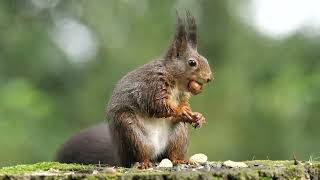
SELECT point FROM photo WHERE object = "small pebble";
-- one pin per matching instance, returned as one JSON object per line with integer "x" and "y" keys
{"x": 177, "y": 168}
{"x": 198, "y": 158}
{"x": 110, "y": 170}
{"x": 258, "y": 165}
{"x": 53, "y": 170}
{"x": 214, "y": 165}
{"x": 180, "y": 167}
{"x": 278, "y": 165}
{"x": 95, "y": 172}
{"x": 200, "y": 167}
{"x": 165, "y": 163}
{"x": 184, "y": 166}
{"x": 68, "y": 173}
{"x": 207, "y": 167}
{"x": 233, "y": 164}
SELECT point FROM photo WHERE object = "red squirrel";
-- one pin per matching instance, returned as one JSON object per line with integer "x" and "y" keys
{"x": 149, "y": 109}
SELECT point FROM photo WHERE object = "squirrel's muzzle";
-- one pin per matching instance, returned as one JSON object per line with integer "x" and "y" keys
{"x": 209, "y": 79}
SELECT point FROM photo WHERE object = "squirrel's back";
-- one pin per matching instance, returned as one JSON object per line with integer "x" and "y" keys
{"x": 131, "y": 90}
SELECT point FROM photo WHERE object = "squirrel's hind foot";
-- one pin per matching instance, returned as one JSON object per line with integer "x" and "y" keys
{"x": 143, "y": 165}
{"x": 179, "y": 161}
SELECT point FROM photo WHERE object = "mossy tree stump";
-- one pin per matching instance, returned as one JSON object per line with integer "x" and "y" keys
{"x": 212, "y": 170}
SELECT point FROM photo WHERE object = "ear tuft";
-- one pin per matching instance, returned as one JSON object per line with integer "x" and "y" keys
{"x": 180, "y": 43}
{"x": 181, "y": 33}
{"x": 191, "y": 29}
{"x": 180, "y": 26}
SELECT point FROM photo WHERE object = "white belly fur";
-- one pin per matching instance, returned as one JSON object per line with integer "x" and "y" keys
{"x": 157, "y": 135}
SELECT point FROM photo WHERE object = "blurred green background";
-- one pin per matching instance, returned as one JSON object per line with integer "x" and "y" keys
{"x": 60, "y": 60}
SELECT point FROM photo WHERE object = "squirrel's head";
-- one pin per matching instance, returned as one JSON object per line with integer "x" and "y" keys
{"x": 183, "y": 60}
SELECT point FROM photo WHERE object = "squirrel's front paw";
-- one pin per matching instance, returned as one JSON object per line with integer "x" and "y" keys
{"x": 186, "y": 114}
{"x": 198, "y": 120}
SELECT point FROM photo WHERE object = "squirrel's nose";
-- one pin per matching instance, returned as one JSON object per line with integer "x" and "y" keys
{"x": 209, "y": 79}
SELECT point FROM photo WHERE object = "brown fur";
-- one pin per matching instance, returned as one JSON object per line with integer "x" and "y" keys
{"x": 177, "y": 148}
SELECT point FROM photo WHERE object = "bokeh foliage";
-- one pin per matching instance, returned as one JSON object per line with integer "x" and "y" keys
{"x": 263, "y": 103}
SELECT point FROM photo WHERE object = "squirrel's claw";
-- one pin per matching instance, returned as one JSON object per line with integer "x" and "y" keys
{"x": 143, "y": 165}
{"x": 196, "y": 119}
{"x": 199, "y": 120}
{"x": 187, "y": 113}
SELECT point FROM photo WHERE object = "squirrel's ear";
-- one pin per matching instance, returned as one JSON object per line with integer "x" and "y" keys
{"x": 192, "y": 30}
{"x": 179, "y": 43}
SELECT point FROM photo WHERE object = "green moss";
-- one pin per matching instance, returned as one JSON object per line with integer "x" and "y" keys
{"x": 43, "y": 166}
{"x": 265, "y": 178}
{"x": 316, "y": 164}
{"x": 217, "y": 178}
{"x": 291, "y": 168}
{"x": 270, "y": 162}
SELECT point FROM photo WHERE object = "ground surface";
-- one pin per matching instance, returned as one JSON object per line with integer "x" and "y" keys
{"x": 210, "y": 170}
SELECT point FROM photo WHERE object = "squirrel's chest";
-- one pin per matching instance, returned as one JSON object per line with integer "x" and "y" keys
{"x": 177, "y": 96}
{"x": 157, "y": 134}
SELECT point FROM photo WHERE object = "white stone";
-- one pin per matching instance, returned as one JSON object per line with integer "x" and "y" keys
{"x": 166, "y": 163}
{"x": 198, "y": 158}
{"x": 233, "y": 164}
{"x": 110, "y": 170}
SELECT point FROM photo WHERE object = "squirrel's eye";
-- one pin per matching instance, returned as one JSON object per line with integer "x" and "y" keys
{"x": 192, "y": 62}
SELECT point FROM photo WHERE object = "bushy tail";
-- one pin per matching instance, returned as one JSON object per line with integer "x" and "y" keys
{"x": 91, "y": 146}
